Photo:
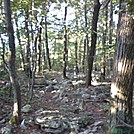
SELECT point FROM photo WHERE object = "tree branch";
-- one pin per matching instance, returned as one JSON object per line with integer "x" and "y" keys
{"x": 104, "y": 4}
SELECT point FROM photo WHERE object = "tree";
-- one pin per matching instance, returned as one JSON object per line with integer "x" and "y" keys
{"x": 86, "y": 40}
{"x": 65, "y": 55}
{"x": 11, "y": 65}
{"x": 123, "y": 75}
{"x": 91, "y": 53}
{"x": 46, "y": 39}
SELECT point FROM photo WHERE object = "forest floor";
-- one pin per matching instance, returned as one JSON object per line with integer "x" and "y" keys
{"x": 58, "y": 106}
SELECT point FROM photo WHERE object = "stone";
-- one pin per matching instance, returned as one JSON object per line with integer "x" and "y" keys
{"x": 22, "y": 125}
{"x": 86, "y": 96}
{"x": 6, "y": 130}
{"x": 49, "y": 88}
{"x": 35, "y": 132}
{"x": 26, "y": 109}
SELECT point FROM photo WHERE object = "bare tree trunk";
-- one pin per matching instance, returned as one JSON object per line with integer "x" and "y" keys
{"x": 123, "y": 80}
{"x": 65, "y": 55}
{"x": 40, "y": 47}
{"x": 34, "y": 64}
{"x": 111, "y": 23}
{"x": 28, "y": 50}
{"x": 86, "y": 41}
{"x": 91, "y": 54}
{"x": 19, "y": 40}
{"x": 84, "y": 55}
{"x": 76, "y": 46}
{"x": 103, "y": 59}
{"x": 11, "y": 65}
{"x": 47, "y": 48}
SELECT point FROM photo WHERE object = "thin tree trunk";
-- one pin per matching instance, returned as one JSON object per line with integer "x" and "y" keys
{"x": 47, "y": 48}
{"x": 40, "y": 47}
{"x": 19, "y": 40}
{"x": 111, "y": 23}
{"x": 103, "y": 59}
{"x": 76, "y": 46}
{"x": 34, "y": 64}
{"x": 86, "y": 41}
{"x": 11, "y": 65}
{"x": 91, "y": 54}
{"x": 84, "y": 56}
{"x": 28, "y": 50}
{"x": 65, "y": 55}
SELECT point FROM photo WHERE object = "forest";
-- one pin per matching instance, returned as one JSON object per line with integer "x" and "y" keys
{"x": 66, "y": 66}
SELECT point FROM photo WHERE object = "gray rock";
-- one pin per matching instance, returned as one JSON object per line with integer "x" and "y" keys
{"x": 26, "y": 109}
{"x": 2, "y": 121}
{"x": 35, "y": 132}
{"x": 22, "y": 125}
{"x": 86, "y": 96}
{"x": 87, "y": 131}
{"x": 49, "y": 88}
{"x": 6, "y": 130}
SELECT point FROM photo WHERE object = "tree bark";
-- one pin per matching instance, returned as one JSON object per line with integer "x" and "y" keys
{"x": 65, "y": 55}
{"x": 91, "y": 54}
{"x": 22, "y": 63}
{"x": 47, "y": 48}
{"x": 40, "y": 47}
{"x": 123, "y": 80}
{"x": 11, "y": 65}
{"x": 104, "y": 39}
{"x": 28, "y": 49}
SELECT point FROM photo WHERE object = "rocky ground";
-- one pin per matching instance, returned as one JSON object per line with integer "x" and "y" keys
{"x": 59, "y": 106}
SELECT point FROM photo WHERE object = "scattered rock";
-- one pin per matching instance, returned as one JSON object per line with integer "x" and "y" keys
{"x": 6, "y": 130}
{"x": 49, "y": 88}
{"x": 26, "y": 109}
{"x": 35, "y": 132}
{"x": 2, "y": 121}
{"x": 22, "y": 125}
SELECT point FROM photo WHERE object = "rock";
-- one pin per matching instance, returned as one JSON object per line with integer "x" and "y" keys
{"x": 2, "y": 121}
{"x": 56, "y": 87}
{"x": 6, "y": 130}
{"x": 67, "y": 84}
{"x": 86, "y": 96}
{"x": 39, "y": 112}
{"x": 55, "y": 126}
{"x": 22, "y": 125}
{"x": 26, "y": 109}
{"x": 53, "y": 131}
{"x": 87, "y": 131}
{"x": 72, "y": 132}
{"x": 49, "y": 88}
{"x": 35, "y": 132}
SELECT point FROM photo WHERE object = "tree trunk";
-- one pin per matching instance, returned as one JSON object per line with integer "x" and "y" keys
{"x": 47, "y": 48}
{"x": 19, "y": 40}
{"x": 34, "y": 64}
{"x": 40, "y": 47}
{"x": 28, "y": 50}
{"x": 65, "y": 55}
{"x": 91, "y": 54}
{"x": 104, "y": 39}
{"x": 11, "y": 65}
{"x": 76, "y": 46}
{"x": 123, "y": 80}
{"x": 86, "y": 41}
{"x": 84, "y": 56}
